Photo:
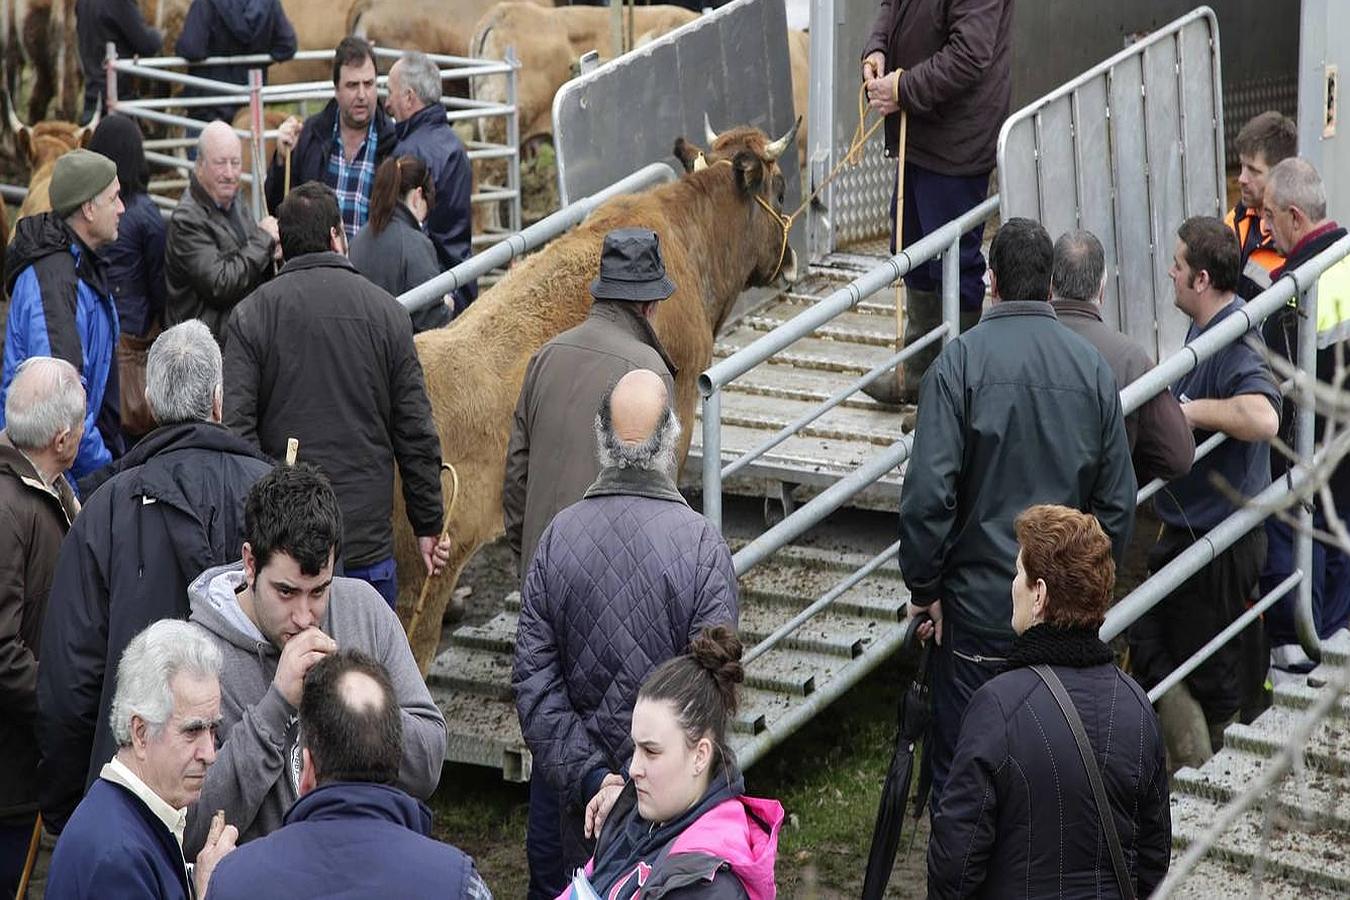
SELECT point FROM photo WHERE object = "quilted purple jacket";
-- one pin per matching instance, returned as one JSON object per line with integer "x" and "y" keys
{"x": 619, "y": 584}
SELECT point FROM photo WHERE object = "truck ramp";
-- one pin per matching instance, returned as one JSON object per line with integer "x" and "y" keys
{"x": 471, "y": 679}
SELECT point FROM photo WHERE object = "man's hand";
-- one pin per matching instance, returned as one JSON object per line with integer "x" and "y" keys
{"x": 883, "y": 91}
{"x": 435, "y": 552}
{"x": 269, "y": 225}
{"x": 297, "y": 658}
{"x": 287, "y": 136}
{"x": 874, "y": 65}
{"x": 931, "y": 629}
{"x": 603, "y": 801}
{"x": 219, "y": 844}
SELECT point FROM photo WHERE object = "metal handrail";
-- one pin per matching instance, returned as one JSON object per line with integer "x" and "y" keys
{"x": 265, "y": 59}
{"x": 545, "y": 229}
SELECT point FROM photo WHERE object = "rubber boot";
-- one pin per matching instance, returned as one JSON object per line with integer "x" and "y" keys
{"x": 923, "y": 313}
{"x": 1185, "y": 731}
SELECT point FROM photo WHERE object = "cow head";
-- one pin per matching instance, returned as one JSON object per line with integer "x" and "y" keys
{"x": 46, "y": 141}
{"x": 753, "y": 159}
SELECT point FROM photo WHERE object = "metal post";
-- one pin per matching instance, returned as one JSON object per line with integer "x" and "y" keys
{"x": 821, "y": 113}
{"x": 712, "y": 457}
{"x": 951, "y": 290}
{"x": 1304, "y": 624}
{"x": 255, "y": 108}
{"x": 615, "y": 29}
{"x": 110, "y": 77}
{"x": 513, "y": 135}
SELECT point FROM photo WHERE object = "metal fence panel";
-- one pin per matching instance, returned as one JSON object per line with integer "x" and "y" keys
{"x": 731, "y": 64}
{"x": 1128, "y": 149}
{"x": 1324, "y": 55}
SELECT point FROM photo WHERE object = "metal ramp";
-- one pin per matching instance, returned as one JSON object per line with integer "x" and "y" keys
{"x": 799, "y": 378}
{"x": 471, "y": 680}
{"x": 1304, "y": 850}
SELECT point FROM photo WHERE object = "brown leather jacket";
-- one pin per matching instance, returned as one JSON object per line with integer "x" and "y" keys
{"x": 33, "y": 520}
{"x": 957, "y": 83}
{"x": 564, "y": 385}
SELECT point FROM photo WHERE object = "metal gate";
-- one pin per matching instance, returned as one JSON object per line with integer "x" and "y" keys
{"x": 1072, "y": 160}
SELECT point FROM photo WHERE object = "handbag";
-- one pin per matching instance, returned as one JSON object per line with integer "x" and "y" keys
{"x": 1066, "y": 706}
{"x": 134, "y": 409}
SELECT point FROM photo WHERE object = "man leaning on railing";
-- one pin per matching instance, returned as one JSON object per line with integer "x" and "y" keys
{"x": 1233, "y": 392}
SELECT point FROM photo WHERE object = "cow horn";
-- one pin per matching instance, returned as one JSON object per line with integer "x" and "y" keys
{"x": 776, "y": 148}
{"x": 708, "y": 134}
{"x": 14, "y": 124}
{"x": 87, "y": 131}
{"x": 700, "y": 163}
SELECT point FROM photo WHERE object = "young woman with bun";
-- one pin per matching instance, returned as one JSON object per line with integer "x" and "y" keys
{"x": 392, "y": 250}
{"x": 682, "y": 826}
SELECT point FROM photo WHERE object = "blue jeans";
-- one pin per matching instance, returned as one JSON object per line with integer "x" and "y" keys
{"x": 543, "y": 841}
{"x": 15, "y": 835}
{"x": 382, "y": 575}
{"x": 931, "y": 201}
{"x": 1330, "y": 583}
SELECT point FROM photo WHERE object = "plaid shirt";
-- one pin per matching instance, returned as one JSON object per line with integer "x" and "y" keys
{"x": 352, "y": 181}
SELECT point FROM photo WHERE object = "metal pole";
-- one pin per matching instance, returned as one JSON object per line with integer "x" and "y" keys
{"x": 615, "y": 28}
{"x": 110, "y": 76}
{"x": 1305, "y": 626}
{"x": 712, "y": 458}
{"x": 951, "y": 290}
{"x": 255, "y": 108}
{"x": 513, "y": 135}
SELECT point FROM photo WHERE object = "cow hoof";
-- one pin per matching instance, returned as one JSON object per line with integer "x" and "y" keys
{"x": 888, "y": 390}
{"x": 455, "y": 609}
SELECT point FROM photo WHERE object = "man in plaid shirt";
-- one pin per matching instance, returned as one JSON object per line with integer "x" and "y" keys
{"x": 343, "y": 144}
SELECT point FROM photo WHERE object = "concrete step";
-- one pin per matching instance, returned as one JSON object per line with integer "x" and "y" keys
{"x": 877, "y": 426}
{"x": 812, "y": 353}
{"x": 798, "y": 460}
{"x": 1328, "y": 748}
{"x": 1212, "y": 879}
{"x": 865, "y": 327}
{"x": 1315, "y": 797}
{"x": 810, "y": 385}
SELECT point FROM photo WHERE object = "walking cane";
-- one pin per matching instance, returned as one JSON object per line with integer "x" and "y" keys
{"x": 286, "y": 181}
{"x": 31, "y": 858}
{"x": 445, "y": 533}
{"x": 899, "y": 241}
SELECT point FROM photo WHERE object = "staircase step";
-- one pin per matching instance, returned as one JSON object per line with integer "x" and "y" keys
{"x": 1315, "y": 797}
{"x": 810, "y": 385}
{"x": 878, "y": 426}
{"x": 859, "y": 327}
{"x": 798, "y": 460}
{"x": 1328, "y": 747}
{"x": 813, "y": 353}
{"x": 1212, "y": 879}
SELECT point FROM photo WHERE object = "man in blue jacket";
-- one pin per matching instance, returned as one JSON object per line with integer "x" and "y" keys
{"x": 232, "y": 28}
{"x": 352, "y": 832}
{"x": 60, "y": 302}
{"x": 415, "y": 102}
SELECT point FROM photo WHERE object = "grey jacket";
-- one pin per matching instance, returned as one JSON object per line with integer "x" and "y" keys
{"x": 256, "y": 775}
{"x": 620, "y": 583}
{"x": 564, "y": 385}
{"x": 398, "y": 259}
{"x": 212, "y": 258}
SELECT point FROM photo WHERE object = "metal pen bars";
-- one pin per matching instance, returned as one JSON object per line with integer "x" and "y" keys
{"x": 256, "y": 96}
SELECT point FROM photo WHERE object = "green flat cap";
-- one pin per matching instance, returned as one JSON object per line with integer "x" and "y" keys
{"x": 79, "y": 176}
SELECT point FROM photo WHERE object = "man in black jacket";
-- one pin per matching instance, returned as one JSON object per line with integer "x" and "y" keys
{"x": 351, "y": 391}
{"x": 1017, "y": 411}
{"x": 232, "y": 28}
{"x": 344, "y": 142}
{"x": 173, "y": 507}
{"x": 97, "y": 22}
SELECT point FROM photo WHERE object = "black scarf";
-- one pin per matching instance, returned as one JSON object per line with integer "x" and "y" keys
{"x": 1077, "y": 648}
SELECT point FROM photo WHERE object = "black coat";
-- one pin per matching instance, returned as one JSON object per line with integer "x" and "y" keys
{"x": 1016, "y": 411}
{"x": 232, "y": 28}
{"x": 1017, "y": 817}
{"x": 351, "y": 392}
{"x": 309, "y": 159}
{"x": 99, "y": 21}
{"x": 398, "y": 259}
{"x": 135, "y": 265}
{"x": 175, "y": 508}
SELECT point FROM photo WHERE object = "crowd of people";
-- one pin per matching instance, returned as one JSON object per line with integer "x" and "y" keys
{"x": 211, "y": 694}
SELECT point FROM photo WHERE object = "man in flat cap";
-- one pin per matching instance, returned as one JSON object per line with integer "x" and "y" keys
{"x": 61, "y": 305}
{"x": 565, "y": 383}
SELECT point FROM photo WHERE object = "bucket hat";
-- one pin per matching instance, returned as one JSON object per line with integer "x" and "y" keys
{"x": 631, "y": 268}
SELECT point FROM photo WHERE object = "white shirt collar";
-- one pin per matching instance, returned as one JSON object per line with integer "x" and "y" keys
{"x": 175, "y": 820}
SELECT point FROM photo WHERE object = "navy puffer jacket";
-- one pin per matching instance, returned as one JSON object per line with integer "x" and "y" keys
{"x": 621, "y": 582}
{"x": 1017, "y": 817}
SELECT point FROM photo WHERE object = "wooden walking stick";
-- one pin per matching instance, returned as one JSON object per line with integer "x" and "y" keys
{"x": 899, "y": 241}
{"x": 286, "y": 181}
{"x": 445, "y": 533}
{"x": 31, "y": 859}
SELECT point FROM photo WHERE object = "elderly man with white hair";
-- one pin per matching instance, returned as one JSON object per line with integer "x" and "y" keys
{"x": 422, "y": 131}
{"x": 214, "y": 253}
{"x": 44, "y": 417}
{"x": 126, "y": 837}
{"x": 173, "y": 509}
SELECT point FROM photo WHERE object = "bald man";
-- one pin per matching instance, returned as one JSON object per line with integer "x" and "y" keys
{"x": 621, "y": 581}
{"x": 352, "y": 744}
{"x": 215, "y": 254}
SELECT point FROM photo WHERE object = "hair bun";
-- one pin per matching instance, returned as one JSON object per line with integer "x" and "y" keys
{"x": 717, "y": 650}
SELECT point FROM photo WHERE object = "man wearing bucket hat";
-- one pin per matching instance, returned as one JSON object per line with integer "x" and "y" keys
{"x": 565, "y": 383}
{"x": 61, "y": 305}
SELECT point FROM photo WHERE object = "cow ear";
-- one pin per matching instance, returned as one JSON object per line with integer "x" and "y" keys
{"x": 86, "y": 135}
{"x": 749, "y": 171}
{"x": 686, "y": 153}
{"x": 24, "y": 140}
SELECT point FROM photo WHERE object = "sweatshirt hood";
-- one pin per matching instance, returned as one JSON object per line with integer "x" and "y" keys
{"x": 348, "y": 800}
{"x": 35, "y": 237}
{"x": 250, "y": 21}
{"x": 209, "y": 598}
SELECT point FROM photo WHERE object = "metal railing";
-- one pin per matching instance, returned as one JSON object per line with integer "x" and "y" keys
{"x": 545, "y": 229}
{"x": 256, "y": 96}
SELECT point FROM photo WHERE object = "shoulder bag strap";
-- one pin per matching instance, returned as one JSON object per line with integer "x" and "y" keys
{"x": 1094, "y": 776}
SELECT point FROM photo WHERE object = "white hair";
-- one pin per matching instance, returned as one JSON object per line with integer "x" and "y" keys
{"x": 183, "y": 374}
{"x": 150, "y": 662}
{"x": 45, "y": 398}
{"x": 420, "y": 75}
{"x": 217, "y": 129}
{"x": 1295, "y": 182}
{"x": 655, "y": 454}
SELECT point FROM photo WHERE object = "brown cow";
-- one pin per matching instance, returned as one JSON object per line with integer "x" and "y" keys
{"x": 716, "y": 240}
{"x": 41, "y": 34}
{"x": 42, "y": 145}
{"x": 432, "y": 26}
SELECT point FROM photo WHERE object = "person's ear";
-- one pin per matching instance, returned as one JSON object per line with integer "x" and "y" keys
{"x": 1039, "y": 604}
{"x": 702, "y": 755}
{"x": 218, "y": 404}
{"x": 993, "y": 286}
{"x": 250, "y": 564}
{"x": 140, "y": 736}
{"x": 309, "y": 779}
